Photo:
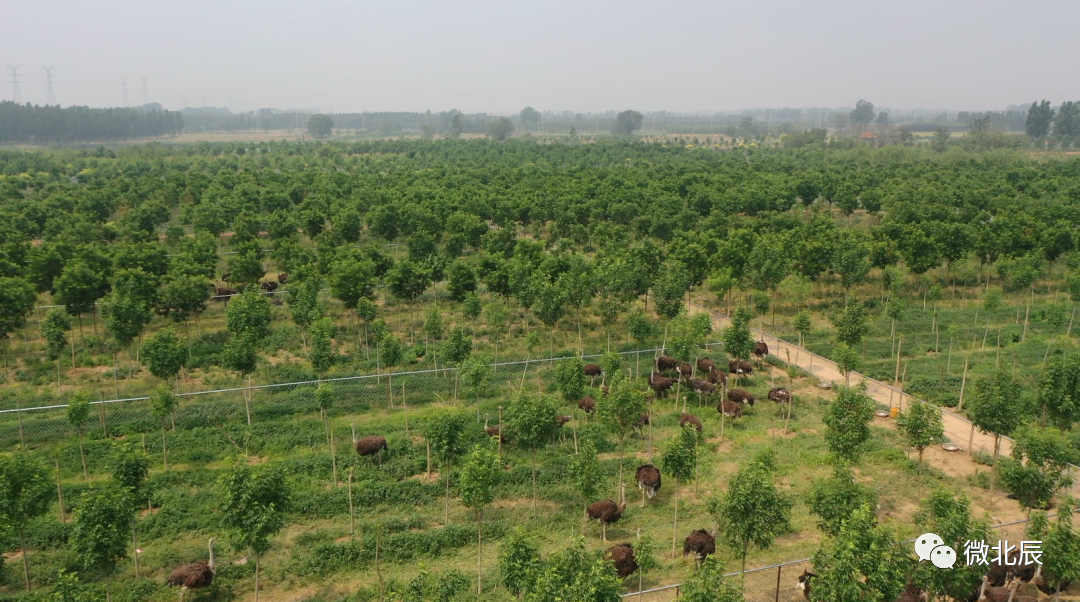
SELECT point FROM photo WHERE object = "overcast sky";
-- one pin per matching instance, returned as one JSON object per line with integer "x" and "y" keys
{"x": 582, "y": 55}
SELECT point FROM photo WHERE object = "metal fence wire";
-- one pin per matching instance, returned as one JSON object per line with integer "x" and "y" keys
{"x": 261, "y": 403}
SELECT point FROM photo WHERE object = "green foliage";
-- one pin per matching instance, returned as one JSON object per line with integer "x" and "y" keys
{"x": 585, "y": 470}
{"x": 621, "y": 407}
{"x": 165, "y": 354}
{"x": 78, "y": 410}
{"x": 252, "y": 504}
{"x": 407, "y": 280}
{"x": 125, "y": 315}
{"x": 320, "y": 125}
{"x": 992, "y": 298}
{"x": 519, "y": 560}
{"x": 721, "y": 282}
{"x": 1039, "y": 117}
{"x": 78, "y": 287}
{"x": 530, "y": 421}
{"x": 1061, "y": 552}
{"x": 476, "y": 376}
{"x": 851, "y": 324}
{"x": 241, "y": 354}
{"x": 685, "y": 337}
{"x": 352, "y": 281}
{"x": 101, "y": 528}
{"x": 570, "y": 378}
{"x": 461, "y": 280}
{"x": 679, "y": 457}
{"x": 769, "y": 263}
{"x": 163, "y": 402}
{"x": 709, "y": 585}
{"x": 738, "y": 342}
{"x": 640, "y": 326}
{"x": 803, "y": 325}
{"x": 471, "y": 306}
{"x": 848, "y": 421}
{"x": 303, "y": 299}
{"x": 54, "y": 329}
{"x": 611, "y": 362}
{"x": 627, "y": 122}
{"x": 1059, "y": 391}
{"x": 248, "y": 315}
{"x": 446, "y": 430}
{"x": 993, "y": 407}
{"x": 433, "y": 325}
{"x": 130, "y": 470}
{"x": 574, "y": 574}
{"x": 950, "y": 518}
{"x": 753, "y": 512}
{"x": 1039, "y": 466}
{"x": 321, "y": 353}
{"x": 390, "y": 350}
{"x": 863, "y": 562}
{"x": 669, "y": 289}
{"x": 847, "y": 359}
{"x": 458, "y": 346}
{"x": 834, "y": 500}
{"x": 182, "y": 296}
{"x": 68, "y": 589}
{"x": 921, "y": 426}
{"x": 479, "y": 476}
{"x": 25, "y": 489}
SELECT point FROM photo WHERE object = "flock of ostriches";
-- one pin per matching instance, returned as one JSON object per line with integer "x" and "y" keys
{"x": 1000, "y": 584}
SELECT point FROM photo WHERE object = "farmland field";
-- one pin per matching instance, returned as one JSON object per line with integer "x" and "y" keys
{"x": 249, "y": 310}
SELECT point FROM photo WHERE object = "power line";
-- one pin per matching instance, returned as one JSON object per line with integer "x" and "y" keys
{"x": 123, "y": 87}
{"x": 145, "y": 94}
{"x": 49, "y": 83}
{"x": 16, "y": 95}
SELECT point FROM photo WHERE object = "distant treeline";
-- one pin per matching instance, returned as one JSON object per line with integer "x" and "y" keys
{"x": 35, "y": 123}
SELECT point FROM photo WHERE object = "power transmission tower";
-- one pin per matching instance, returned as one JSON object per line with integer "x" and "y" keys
{"x": 15, "y": 94}
{"x": 49, "y": 84}
{"x": 145, "y": 94}
{"x": 123, "y": 88}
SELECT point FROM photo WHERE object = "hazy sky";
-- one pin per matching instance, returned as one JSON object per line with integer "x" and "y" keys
{"x": 581, "y": 55}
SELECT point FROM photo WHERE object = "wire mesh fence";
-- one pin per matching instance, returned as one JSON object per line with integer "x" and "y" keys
{"x": 260, "y": 403}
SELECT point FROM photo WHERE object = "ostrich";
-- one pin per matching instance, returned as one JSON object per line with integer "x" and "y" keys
{"x": 660, "y": 383}
{"x": 694, "y": 421}
{"x": 282, "y": 279}
{"x": 194, "y": 575}
{"x": 804, "y": 583}
{"x": 592, "y": 371}
{"x": 372, "y": 446}
{"x": 989, "y": 593}
{"x": 740, "y": 396}
{"x": 587, "y": 404}
{"x": 684, "y": 370}
{"x": 730, "y": 409}
{"x": 641, "y": 422}
{"x": 705, "y": 365}
{"x": 1014, "y": 597}
{"x": 716, "y": 377}
{"x": 740, "y": 368}
{"x": 495, "y": 432}
{"x": 665, "y": 363}
{"x": 702, "y": 388}
{"x": 648, "y": 481}
{"x": 605, "y": 512}
{"x": 701, "y": 543}
{"x": 561, "y": 420}
{"x": 1045, "y": 586}
{"x": 912, "y": 593}
{"x": 622, "y": 556}
{"x": 780, "y": 395}
{"x": 761, "y": 350}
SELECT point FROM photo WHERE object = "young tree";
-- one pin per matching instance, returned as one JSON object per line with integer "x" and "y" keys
{"x": 460, "y": 280}
{"x": 803, "y": 327}
{"x": 709, "y": 585}
{"x": 130, "y": 469}
{"x": 645, "y": 556}
{"x": 1039, "y": 466}
{"x": 446, "y": 432}
{"x": 1059, "y": 392}
{"x": 570, "y": 378}
{"x": 738, "y": 342}
{"x": 248, "y": 315}
{"x": 458, "y": 346}
{"x": 471, "y": 307}
{"x": 519, "y": 561}
{"x": 352, "y": 281}
{"x": 1061, "y": 556}
{"x": 304, "y": 306}
{"x": 530, "y": 424}
{"x": 479, "y": 475}
{"x": 896, "y": 312}
{"x": 678, "y": 460}
{"x": 476, "y": 376}
{"x": 242, "y": 355}
{"x": 834, "y": 500}
{"x": 762, "y": 303}
{"x": 847, "y": 361}
{"x": 639, "y": 326}
{"x": 921, "y": 426}
{"x": 163, "y": 402}
{"x": 78, "y": 288}
{"x": 182, "y": 296}
{"x": 392, "y": 353}
{"x": 669, "y": 290}
{"x": 863, "y": 562}
{"x": 25, "y": 494}
{"x": 78, "y": 414}
{"x": 993, "y": 409}
{"x": 851, "y": 324}
{"x": 322, "y": 353}
{"x": 848, "y": 421}
{"x": 950, "y": 518}
{"x": 99, "y": 531}
{"x": 125, "y": 315}
{"x": 619, "y": 410}
{"x": 753, "y": 512}
{"x": 574, "y": 574}
{"x": 585, "y": 474}
{"x": 55, "y": 327}
{"x": 407, "y": 280}
{"x": 366, "y": 311}
{"x": 165, "y": 354}
{"x": 252, "y": 502}
{"x": 496, "y": 314}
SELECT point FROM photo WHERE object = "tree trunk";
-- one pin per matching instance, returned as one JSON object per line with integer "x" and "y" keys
{"x": 73, "y": 366}
{"x": 256, "y": 578}
{"x": 108, "y": 590}
{"x": 164, "y": 447}
{"x": 446, "y": 507}
{"x": 675, "y": 523}
{"x": 479, "y": 553}
{"x": 533, "y": 478}
{"x": 135, "y": 548}
{"x": 82, "y": 454}
{"x": 25, "y": 561}
{"x": 60, "y": 492}
{"x": 378, "y": 567}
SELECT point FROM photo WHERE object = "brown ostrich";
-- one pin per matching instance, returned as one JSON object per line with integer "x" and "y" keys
{"x": 684, "y": 370}
{"x": 703, "y": 388}
{"x": 761, "y": 350}
{"x": 660, "y": 383}
{"x": 587, "y": 404}
{"x": 740, "y": 368}
{"x": 561, "y": 420}
{"x": 194, "y": 575}
{"x": 269, "y": 286}
{"x": 804, "y": 583}
{"x": 495, "y": 432}
{"x": 705, "y": 365}
{"x": 740, "y": 396}
{"x": 605, "y": 512}
{"x": 648, "y": 481}
{"x": 282, "y": 279}
{"x": 989, "y": 593}
{"x": 701, "y": 543}
{"x": 665, "y": 363}
{"x": 592, "y": 371}
{"x": 717, "y": 377}
{"x": 780, "y": 395}
{"x": 730, "y": 409}
{"x": 694, "y": 421}
{"x": 622, "y": 556}
{"x": 913, "y": 593}
{"x": 641, "y": 422}
{"x": 372, "y": 445}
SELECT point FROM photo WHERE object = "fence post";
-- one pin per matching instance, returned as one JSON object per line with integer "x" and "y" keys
{"x": 101, "y": 415}
{"x": 778, "y": 569}
{"x": 18, "y": 413}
